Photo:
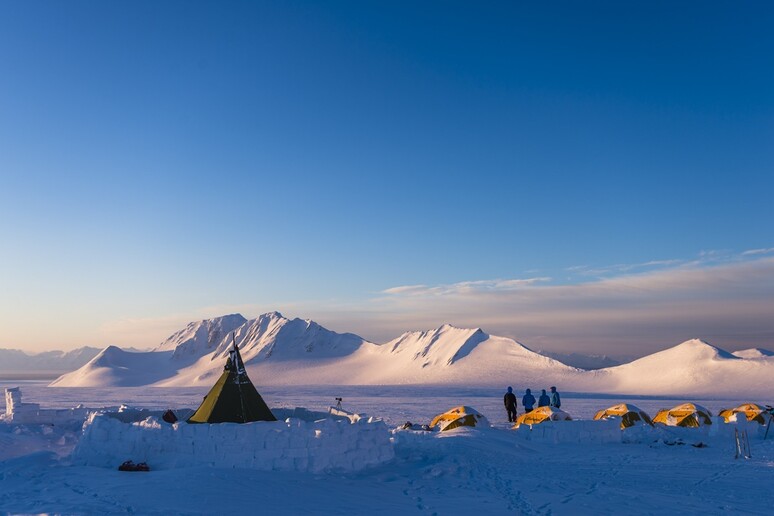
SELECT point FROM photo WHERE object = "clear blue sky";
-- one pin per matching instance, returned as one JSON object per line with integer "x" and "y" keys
{"x": 159, "y": 159}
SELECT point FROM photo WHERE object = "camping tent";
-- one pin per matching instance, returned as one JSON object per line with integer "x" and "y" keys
{"x": 541, "y": 414}
{"x": 233, "y": 398}
{"x": 752, "y": 411}
{"x": 629, "y": 414}
{"x": 687, "y": 414}
{"x": 458, "y": 416}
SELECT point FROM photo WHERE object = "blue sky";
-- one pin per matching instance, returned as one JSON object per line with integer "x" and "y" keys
{"x": 162, "y": 162}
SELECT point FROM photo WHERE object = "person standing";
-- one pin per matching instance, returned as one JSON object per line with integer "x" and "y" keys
{"x": 543, "y": 401}
{"x": 528, "y": 400}
{"x": 510, "y": 404}
{"x": 555, "y": 401}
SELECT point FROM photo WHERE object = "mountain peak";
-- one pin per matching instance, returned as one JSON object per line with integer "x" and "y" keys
{"x": 199, "y": 336}
{"x": 698, "y": 346}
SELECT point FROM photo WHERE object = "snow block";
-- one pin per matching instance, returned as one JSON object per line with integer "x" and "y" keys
{"x": 290, "y": 445}
{"x": 580, "y": 431}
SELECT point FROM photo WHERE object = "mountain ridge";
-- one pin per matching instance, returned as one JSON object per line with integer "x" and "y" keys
{"x": 281, "y": 351}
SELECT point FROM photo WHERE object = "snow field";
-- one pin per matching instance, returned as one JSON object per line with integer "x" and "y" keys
{"x": 290, "y": 445}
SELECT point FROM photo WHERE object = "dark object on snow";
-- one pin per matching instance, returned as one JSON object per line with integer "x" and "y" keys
{"x": 131, "y": 466}
{"x": 509, "y": 400}
{"x": 233, "y": 398}
{"x": 169, "y": 417}
{"x": 699, "y": 445}
{"x": 408, "y": 425}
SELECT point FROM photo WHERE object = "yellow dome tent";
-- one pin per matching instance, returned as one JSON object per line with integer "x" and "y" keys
{"x": 687, "y": 414}
{"x": 752, "y": 411}
{"x": 541, "y": 414}
{"x": 456, "y": 417}
{"x": 628, "y": 413}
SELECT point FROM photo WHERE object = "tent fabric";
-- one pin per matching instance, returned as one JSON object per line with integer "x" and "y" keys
{"x": 686, "y": 415}
{"x": 630, "y": 415}
{"x": 752, "y": 411}
{"x": 233, "y": 398}
{"x": 457, "y": 417}
{"x": 540, "y": 415}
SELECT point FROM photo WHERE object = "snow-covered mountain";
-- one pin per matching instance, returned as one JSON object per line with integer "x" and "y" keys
{"x": 582, "y": 361}
{"x": 200, "y": 337}
{"x": 16, "y": 361}
{"x": 693, "y": 368}
{"x": 281, "y": 351}
{"x": 278, "y": 351}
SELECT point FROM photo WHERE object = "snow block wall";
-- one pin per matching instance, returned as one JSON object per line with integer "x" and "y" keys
{"x": 601, "y": 431}
{"x": 30, "y": 413}
{"x": 290, "y": 445}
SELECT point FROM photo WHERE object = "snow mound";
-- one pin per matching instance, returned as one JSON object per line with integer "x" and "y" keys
{"x": 116, "y": 367}
{"x": 753, "y": 353}
{"x": 290, "y": 445}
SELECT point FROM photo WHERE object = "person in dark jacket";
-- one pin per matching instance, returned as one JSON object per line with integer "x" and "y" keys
{"x": 510, "y": 404}
{"x": 528, "y": 400}
{"x": 555, "y": 401}
{"x": 543, "y": 401}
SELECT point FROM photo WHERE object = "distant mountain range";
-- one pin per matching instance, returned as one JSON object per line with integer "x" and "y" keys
{"x": 281, "y": 351}
{"x": 582, "y": 361}
{"x": 17, "y": 362}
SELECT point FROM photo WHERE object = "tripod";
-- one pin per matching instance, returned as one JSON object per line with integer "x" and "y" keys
{"x": 770, "y": 411}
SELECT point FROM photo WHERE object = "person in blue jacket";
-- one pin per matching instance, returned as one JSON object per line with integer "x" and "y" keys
{"x": 554, "y": 398}
{"x": 543, "y": 401}
{"x": 528, "y": 400}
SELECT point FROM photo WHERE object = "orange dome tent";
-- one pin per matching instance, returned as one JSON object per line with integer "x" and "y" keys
{"x": 687, "y": 414}
{"x": 752, "y": 411}
{"x": 628, "y": 413}
{"x": 540, "y": 415}
{"x": 458, "y": 416}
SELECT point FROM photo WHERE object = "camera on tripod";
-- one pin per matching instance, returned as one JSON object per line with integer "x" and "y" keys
{"x": 338, "y": 403}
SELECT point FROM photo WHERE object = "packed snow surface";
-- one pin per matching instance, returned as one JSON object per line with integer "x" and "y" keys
{"x": 281, "y": 351}
{"x": 564, "y": 467}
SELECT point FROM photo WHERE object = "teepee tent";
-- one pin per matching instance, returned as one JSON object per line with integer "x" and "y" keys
{"x": 233, "y": 398}
{"x": 687, "y": 414}
{"x": 629, "y": 414}
{"x": 541, "y": 414}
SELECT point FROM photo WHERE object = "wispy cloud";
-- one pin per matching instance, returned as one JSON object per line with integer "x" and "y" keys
{"x": 628, "y": 313}
{"x": 632, "y": 310}
{"x": 754, "y": 252}
{"x": 465, "y": 287}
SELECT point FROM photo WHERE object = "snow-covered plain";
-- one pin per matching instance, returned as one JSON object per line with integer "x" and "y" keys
{"x": 489, "y": 471}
